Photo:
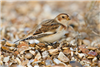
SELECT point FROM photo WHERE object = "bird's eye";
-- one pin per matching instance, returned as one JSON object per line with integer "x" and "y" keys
{"x": 63, "y": 17}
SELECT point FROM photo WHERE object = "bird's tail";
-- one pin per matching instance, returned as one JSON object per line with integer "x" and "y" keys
{"x": 28, "y": 38}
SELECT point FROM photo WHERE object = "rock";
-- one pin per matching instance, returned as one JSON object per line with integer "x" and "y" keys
{"x": 2, "y": 42}
{"x": 32, "y": 52}
{"x": 14, "y": 65}
{"x": 80, "y": 55}
{"x": 86, "y": 42}
{"x": 62, "y": 57}
{"x": 41, "y": 44}
{"x": 91, "y": 48}
{"x": 99, "y": 63}
{"x": 94, "y": 59}
{"x": 49, "y": 47}
{"x": 8, "y": 43}
{"x": 38, "y": 56}
{"x": 33, "y": 41}
{"x": 23, "y": 44}
{"x": 18, "y": 60}
{"x": 92, "y": 53}
{"x": 75, "y": 64}
{"x": 58, "y": 62}
{"x": 6, "y": 59}
{"x": 53, "y": 51}
{"x": 49, "y": 62}
{"x": 32, "y": 45}
{"x": 45, "y": 54}
{"x": 67, "y": 51}
{"x": 59, "y": 65}
{"x": 28, "y": 55}
{"x": 73, "y": 42}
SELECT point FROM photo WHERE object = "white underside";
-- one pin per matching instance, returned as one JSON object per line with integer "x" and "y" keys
{"x": 53, "y": 37}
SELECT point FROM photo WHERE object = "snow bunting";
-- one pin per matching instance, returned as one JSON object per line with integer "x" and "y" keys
{"x": 50, "y": 30}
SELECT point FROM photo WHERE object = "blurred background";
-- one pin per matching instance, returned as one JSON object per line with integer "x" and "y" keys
{"x": 19, "y": 17}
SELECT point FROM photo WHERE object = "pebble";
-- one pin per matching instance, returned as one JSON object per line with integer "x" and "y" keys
{"x": 53, "y": 51}
{"x": 6, "y": 59}
{"x": 94, "y": 59}
{"x": 49, "y": 62}
{"x": 45, "y": 54}
{"x": 8, "y": 43}
{"x": 28, "y": 55}
{"x": 38, "y": 56}
{"x": 67, "y": 51}
{"x": 75, "y": 64}
{"x": 58, "y": 62}
{"x": 86, "y": 42}
{"x": 80, "y": 55}
{"x": 62, "y": 57}
{"x": 32, "y": 52}
{"x": 41, "y": 44}
{"x": 91, "y": 48}
{"x": 99, "y": 63}
{"x": 2, "y": 42}
{"x": 92, "y": 53}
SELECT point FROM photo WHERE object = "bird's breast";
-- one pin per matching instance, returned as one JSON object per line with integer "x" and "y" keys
{"x": 54, "y": 37}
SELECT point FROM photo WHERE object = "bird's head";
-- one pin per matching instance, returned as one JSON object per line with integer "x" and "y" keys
{"x": 62, "y": 18}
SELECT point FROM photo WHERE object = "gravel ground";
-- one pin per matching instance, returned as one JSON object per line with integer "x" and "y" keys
{"x": 80, "y": 47}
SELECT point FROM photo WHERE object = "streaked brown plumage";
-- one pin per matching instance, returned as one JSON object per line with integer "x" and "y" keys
{"x": 50, "y": 30}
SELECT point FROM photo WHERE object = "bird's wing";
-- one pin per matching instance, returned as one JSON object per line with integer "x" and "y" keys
{"x": 47, "y": 27}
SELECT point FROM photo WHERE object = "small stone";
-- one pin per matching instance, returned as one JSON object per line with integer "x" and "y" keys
{"x": 99, "y": 45}
{"x": 53, "y": 51}
{"x": 92, "y": 48}
{"x": 33, "y": 41}
{"x": 86, "y": 42}
{"x": 49, "y": 62}
{"x": 38, "y": 56}
{"x": 73, "y": 42}
{"x": 32, "y": 45}
{"x": 58, "y": 62}
{"x": 36, "y": 65}
{"x": 82, "y": 47}
{"x": 80, "y": 55}
{"x": 41, "y": 44}
{"x": 62, "y": 57}
{"x": 65, "y": 48}
{"x": 18, "y": 60}
{"x": 67, "y": 51}
{"x": 92, "y": 53}
{"x": 6, "y": 59}
{"x": 45, "y": 54}
{"x": 75, "y": 64}
{"x": 32, "y": 52}
{"x": 90, "y": 57}
{"x": 85, "y": 50}
{"x": 2, "y": 42}
{"x": 14, "y": 65}
{"x": 49, "y": 47}
{"x": 99, "y": 63}
{"x": 59, "y": 65}
{"x": 1, "y": 62}
{"x": 94, "y": 59}
{"x": 69, "y": 39}
{"x": 28, "y": 55}
{"x": 8, "y": 43}
{"x": 25, "y": 62}
{"x": 23, "y": 44}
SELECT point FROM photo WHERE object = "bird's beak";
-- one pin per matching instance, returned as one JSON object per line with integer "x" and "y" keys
{"x": 68, "y": 18}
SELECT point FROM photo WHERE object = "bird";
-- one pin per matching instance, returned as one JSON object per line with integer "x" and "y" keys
{"x": 49, "y": 30}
